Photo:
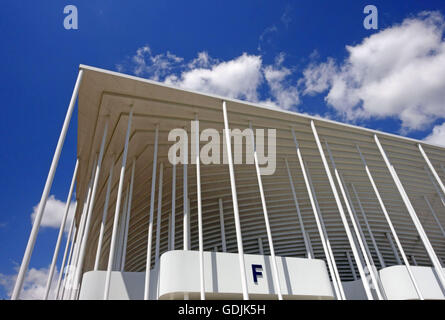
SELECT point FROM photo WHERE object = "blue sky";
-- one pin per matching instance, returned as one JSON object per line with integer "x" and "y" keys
{"x": 294, "y": 55}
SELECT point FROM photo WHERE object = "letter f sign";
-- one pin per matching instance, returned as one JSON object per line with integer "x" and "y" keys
{"x": 256, "y": 271}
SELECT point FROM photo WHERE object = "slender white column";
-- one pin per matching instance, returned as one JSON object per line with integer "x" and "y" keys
{"x": 118, "y": 208}
{"x": 79, "y": 267}
{"x": 351, "y": 265}
{"x": 439, "y": 193}
{"x": 320, "y": 225}
{"x": 150, "y": 222}
{"x": 260, "y": 246}
{"x": 393, "y": 247}
{"x": 391, "y": 226}
{"x": 159, "y": 215}
{"x": 239, "y": 239}
{"x": 68, "y": 266}
{"x": 436, "y": 176}
{"x": 104, "y": 215}
{"x": 61, "y": 230}
{"x": 342, "y": 215}
{"x": 185, "y": 234}
{"x": 433, "y": 257}
{"x": 189, "y": 240}
{"x": 414, "y": 260}
{"x": 221, "y": 222}
{"x": 374, "y": 243}
{"x": 49, "y": 181}
{"x": 120, "y": 234}
{"x": 127, "y": 222}
{"x": 198, "y": 196}
{"x": 266, "y": 219}
{"x": 173, "y": 215}
{"x": 310, "y": 245}
{"x": 434, "y": 215}
{"x": 297, "y": 206}
{"x": 81, "y": 232}
{"x": 358, "y": 233}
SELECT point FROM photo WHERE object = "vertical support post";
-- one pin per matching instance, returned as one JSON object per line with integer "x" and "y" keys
{"x": 393, "y": 247}
{"x": 120, "y": 233}
{"x": 104, "y": 215}
{"x": 79, "y": 267}
{"x": 150, "y": 223}
{"x": 117, "y": 209}
{"x": 221, "y": 222}
{"x": 342, "y": 215}
{"x": 260, "y": 246}
{"x": 61, "y": 230}
{"x": 351, "y": 265}
{"x": 127, "y": 222}
{"x": 433, "y": 257}
{"x": 320, "y": 224}
{"x": 173, "y": 215}
{"x": 436, "y": 176}
{"x": 266, "y": 218}
{"x": 374, "y": 243}
{"x": 186, "y": 230}
{"x": 49, "y": 181}
{"x": 198, "y": 196}
{"x": 413, "y": 259}
{"x": 310, "y": 245}
{"x": 297, "y": 206}
{"x": 434, "y": 215}
{"x": 67, "y": 266}
{"x": 189, "y": 240}
{"x": 159, "y": 215}
{"x": 441, "y": 196}
{"x": 356, "y": 227}
{"x": 388, "y": 220}
{"x": 239, "y": 239}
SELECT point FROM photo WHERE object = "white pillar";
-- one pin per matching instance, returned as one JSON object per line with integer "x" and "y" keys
{"x": 62, "y": 267}
{"x": 61, "y": 230}
{"x": 436, "y": 263}
{"x": 173, "y": 213}
{"x": 266, "y": 218}
{"x": 393, "y": 247}
{"x": 68, "y": 266}
{"x": 79, "y": 267}
{"x": 127, "y": 222}
{"x": 49, "y": 181}
{"x": 434, "y": 215}
{"x": 310, "y": 245}
{"x": 374, "y": 243}
{"x": 159, "y": 215}
{"x": 414, "y": 260}
{"x": 221, "y": 222}
{"x": 150, "y": 222}
{"x": 388, "y": 220}
{"x": 356, "y": 228}
{"x": 297, "y": 206}
{"x": 185, "y": 234}
{"x": 117, "y": 209}
{"x": 104, "y": 215}
{"x": 436, "y": 176}
{"x": 239, "y": 239}
{"x": 342, "y": 215}
{"x": 320, "y": 224}
{"x": 260, "y": 246}
{"x": 198, "y": 197}
{"x": 439, "y": 193}
{"x": 351, "y": 265}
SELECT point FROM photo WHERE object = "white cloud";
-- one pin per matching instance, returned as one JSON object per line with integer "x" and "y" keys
{"x": 398, "y": 72}
{"x": 437, "y": 136}
{"x": 34, "y": 285}
{"x": 236, "y": 78}
{"x": 53, "y": 214}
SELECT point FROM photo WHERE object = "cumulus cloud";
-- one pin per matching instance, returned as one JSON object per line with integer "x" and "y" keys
{"x": 398, "y": 72}
{"x": 53, "y": 214}
{"x": 437, "y": 136}
{"x": 240, "y": 78}
{"x": 34, "y": 285}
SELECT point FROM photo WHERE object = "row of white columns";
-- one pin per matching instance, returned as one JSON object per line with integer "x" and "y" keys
{"x": 79, "y": 238}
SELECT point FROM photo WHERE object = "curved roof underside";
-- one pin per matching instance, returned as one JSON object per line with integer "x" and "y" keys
{"x": 104, "y": 93}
